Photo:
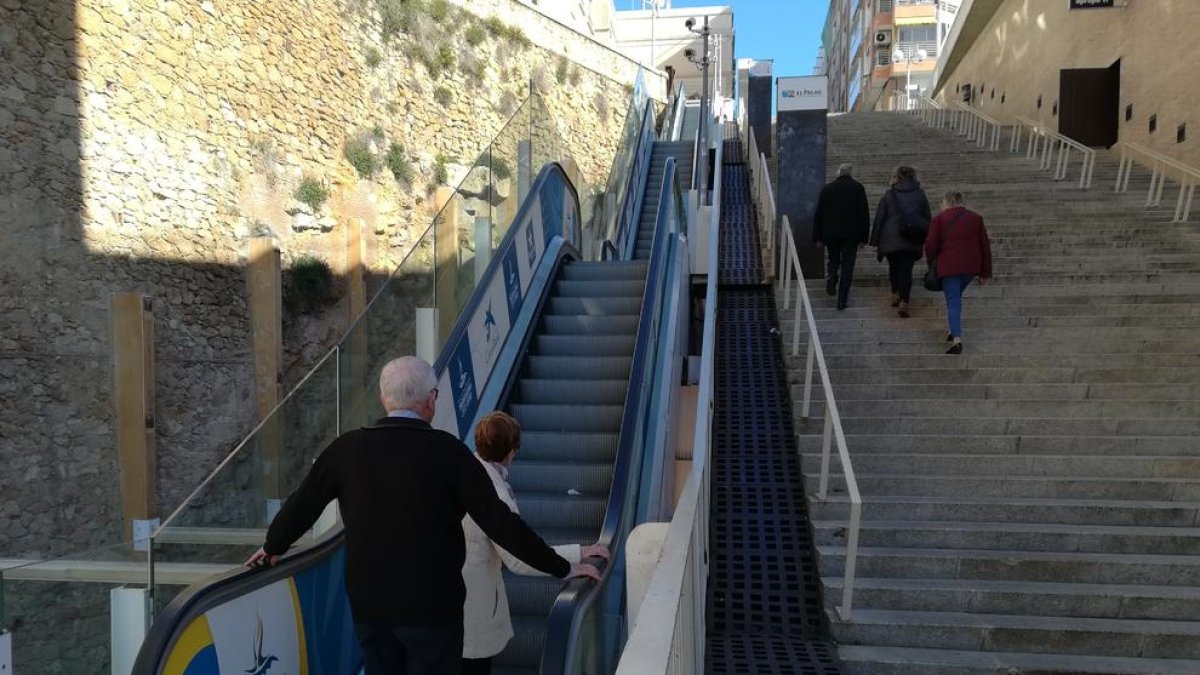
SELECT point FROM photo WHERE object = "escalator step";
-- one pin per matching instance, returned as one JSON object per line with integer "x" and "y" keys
{"x": 591, "y": 447}
{"x": 531, "y": 595}
{"x": 599, "y": 289}
{"x": 623, "y": 270}
{"x": 546, "y": 512}
{"x": 583, "y": 477}
{"x": 572, "y": 345}
{"x": 571, "y": 368}
{"x": 525, "y": 649}
{"x": 565, "y": 324}
{"x": 568, "y": 418}
{"x": 594, "y": 306}
{"x": 572, "y": 392}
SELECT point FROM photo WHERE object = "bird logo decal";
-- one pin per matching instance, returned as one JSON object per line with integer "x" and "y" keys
{"x": 262, "y": 664}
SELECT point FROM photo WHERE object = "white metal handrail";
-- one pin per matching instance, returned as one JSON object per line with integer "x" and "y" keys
{"x": 668, "y": 634}
{"x": 976, "y": 125}
{"x": 1053, "y": 149}
{"x": 763, "y": 200}
{"x": 1160, "y": 166}
{"x": 789, "y": 267}
{"x": 833, "y": 421}
{"x": 929, "y": 110}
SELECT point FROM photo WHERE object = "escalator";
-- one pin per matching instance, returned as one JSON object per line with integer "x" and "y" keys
{"x": 569, "y": 399}
{"x": 681, "y": 151}
{"x": 578, "y": 370}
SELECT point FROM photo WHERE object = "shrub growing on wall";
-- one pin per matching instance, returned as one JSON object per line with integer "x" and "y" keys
{"x": 358, "y": 153}
{"x": 312, "y": 193}
{"x": 307, "y": 284}
{"x": 398, "y": 164}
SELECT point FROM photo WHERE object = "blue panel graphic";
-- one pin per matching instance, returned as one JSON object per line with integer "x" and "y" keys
{"x": 462, "y": 384}
{"x": 512, "y": 282}
{"x": 204, "y": 662}
{"x": 552, "y": 206}
{"x": 329, "y": 635}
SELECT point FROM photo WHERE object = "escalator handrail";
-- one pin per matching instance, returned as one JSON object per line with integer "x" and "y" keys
{"x": 696, "y": 157}
{"x": 577, "y": 595}
{"x": 203, "y": 595}
{"x": 631, "y": 209}
{"x": 497, "y": 261}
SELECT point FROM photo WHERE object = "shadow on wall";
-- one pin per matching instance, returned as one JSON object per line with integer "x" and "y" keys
{"x": 60, "y": 488}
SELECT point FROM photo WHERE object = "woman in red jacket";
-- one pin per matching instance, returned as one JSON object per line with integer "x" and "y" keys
{"x": 958, "y": 241}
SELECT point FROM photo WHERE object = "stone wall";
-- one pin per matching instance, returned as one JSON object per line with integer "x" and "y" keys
{"x": 143, "y": 142}
{"x": 1018, "y": 56}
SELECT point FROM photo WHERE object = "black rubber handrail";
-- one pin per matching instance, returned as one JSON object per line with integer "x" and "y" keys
{"x": 577, "y": 596}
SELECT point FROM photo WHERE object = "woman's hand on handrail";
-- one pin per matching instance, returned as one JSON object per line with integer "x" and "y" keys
{"x": 596, "y": 551}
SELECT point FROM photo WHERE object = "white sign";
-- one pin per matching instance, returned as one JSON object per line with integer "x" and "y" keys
{"x": 803, "y": 93}
{"x": 761, "y": 68}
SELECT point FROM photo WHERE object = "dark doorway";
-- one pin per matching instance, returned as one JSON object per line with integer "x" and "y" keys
{"x": 1090, "y": 104}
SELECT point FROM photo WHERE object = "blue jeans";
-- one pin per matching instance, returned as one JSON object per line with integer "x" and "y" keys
{"x": 952, "y": 288}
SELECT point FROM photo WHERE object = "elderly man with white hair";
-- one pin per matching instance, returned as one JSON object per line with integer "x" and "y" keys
{"x": 403, "y": 488}
{"x": 842, "y": 223}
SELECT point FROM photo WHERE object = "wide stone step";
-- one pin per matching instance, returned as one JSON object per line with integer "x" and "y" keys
{"x": 1107, "y": 409}
{"x": 1001, "y": 632}
{"x": 987, "y": 342}
{"x": 833, "y": 326}
{"x": 1013, "y": 444}
{"x": 1011, "y": 510}
{"x": 1005, "y": 426}
{"x": 1026, "y": 392}
{"x": 966, "y": 464}
{"x": 873, "y": 660}
{"x": 992, "y": 376}
{"x": 1046, "y": 536}
{"x": 970, "y": 361}
{"x": 1087, "y": 568}
{"x": 1102, "y": 601}
{"x": 992, "y": 485}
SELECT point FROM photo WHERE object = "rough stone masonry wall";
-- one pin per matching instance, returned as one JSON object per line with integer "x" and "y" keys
{"x": 143, "y": 142}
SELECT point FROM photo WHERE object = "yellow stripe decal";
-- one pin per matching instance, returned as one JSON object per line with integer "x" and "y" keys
{"x": 195, "y": 637}
{"x": 299, "y": 627}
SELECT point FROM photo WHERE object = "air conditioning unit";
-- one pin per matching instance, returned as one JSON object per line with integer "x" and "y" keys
{"x": 883, "y": 38}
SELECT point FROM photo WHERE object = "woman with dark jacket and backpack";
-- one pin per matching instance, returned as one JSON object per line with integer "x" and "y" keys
{"x": 958, "y": 244}
{"x": 899, "y": 231}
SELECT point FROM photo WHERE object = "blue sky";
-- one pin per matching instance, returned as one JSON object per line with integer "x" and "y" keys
{"x": 786, "y": 31}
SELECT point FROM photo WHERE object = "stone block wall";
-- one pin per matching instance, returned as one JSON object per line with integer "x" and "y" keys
{"x": 143, "y": 142}
{"x": 1020, "y": 53}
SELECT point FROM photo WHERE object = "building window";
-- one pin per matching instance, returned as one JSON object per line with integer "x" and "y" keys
{"x": 1128, "y": 112}
{"x": 922, "y": 33}
{"x": 886, "y": 6}
{"x": 1039, "y": 102}
{"x": 1003, "y": 95}
{"x": 1181, "y": 133}
{"x": 883, "y": 58}
{"x": 1153, "y": 123}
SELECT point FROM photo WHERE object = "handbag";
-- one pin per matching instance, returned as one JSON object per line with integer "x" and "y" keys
{"x": 931, "y": 282}
{"x": 913, "y": 233}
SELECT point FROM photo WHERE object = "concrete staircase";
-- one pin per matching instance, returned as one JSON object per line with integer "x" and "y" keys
{"x": 1033, "y": 505}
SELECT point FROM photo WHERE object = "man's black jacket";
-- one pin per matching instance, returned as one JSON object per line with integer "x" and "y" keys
{"x": 842, "y": 212}
{"x": 403, "y": 488}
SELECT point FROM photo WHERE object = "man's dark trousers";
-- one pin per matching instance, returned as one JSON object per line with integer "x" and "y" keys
{"x": 396, "y": 650}
{"x": 842, "y": 256}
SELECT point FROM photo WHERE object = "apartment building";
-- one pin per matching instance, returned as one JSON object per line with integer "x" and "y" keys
{"x": 878, "y": 53}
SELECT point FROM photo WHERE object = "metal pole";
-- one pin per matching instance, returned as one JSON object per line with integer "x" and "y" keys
{"x": 704, "y": 114}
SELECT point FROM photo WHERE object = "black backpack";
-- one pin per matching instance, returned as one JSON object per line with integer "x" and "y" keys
{"x": 911, "y": 231}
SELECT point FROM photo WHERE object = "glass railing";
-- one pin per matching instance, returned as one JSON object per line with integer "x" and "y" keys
{"x": 57, "y": 612}
{"x": 603, "y": 224}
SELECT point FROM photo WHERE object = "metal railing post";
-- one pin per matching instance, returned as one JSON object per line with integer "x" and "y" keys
{"x": 851, "y": 560}
{"x": 799, "y": 307}
{"x": 808, "y": 378}
{"x": 826, "y": 446}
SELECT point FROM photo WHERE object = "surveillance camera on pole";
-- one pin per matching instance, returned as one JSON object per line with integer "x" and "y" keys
{"x": 703, "y": 64}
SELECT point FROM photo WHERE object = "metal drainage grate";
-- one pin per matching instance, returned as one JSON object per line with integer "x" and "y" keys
{"x": 765, "y": 612}
{"x": 760, "y": 655}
